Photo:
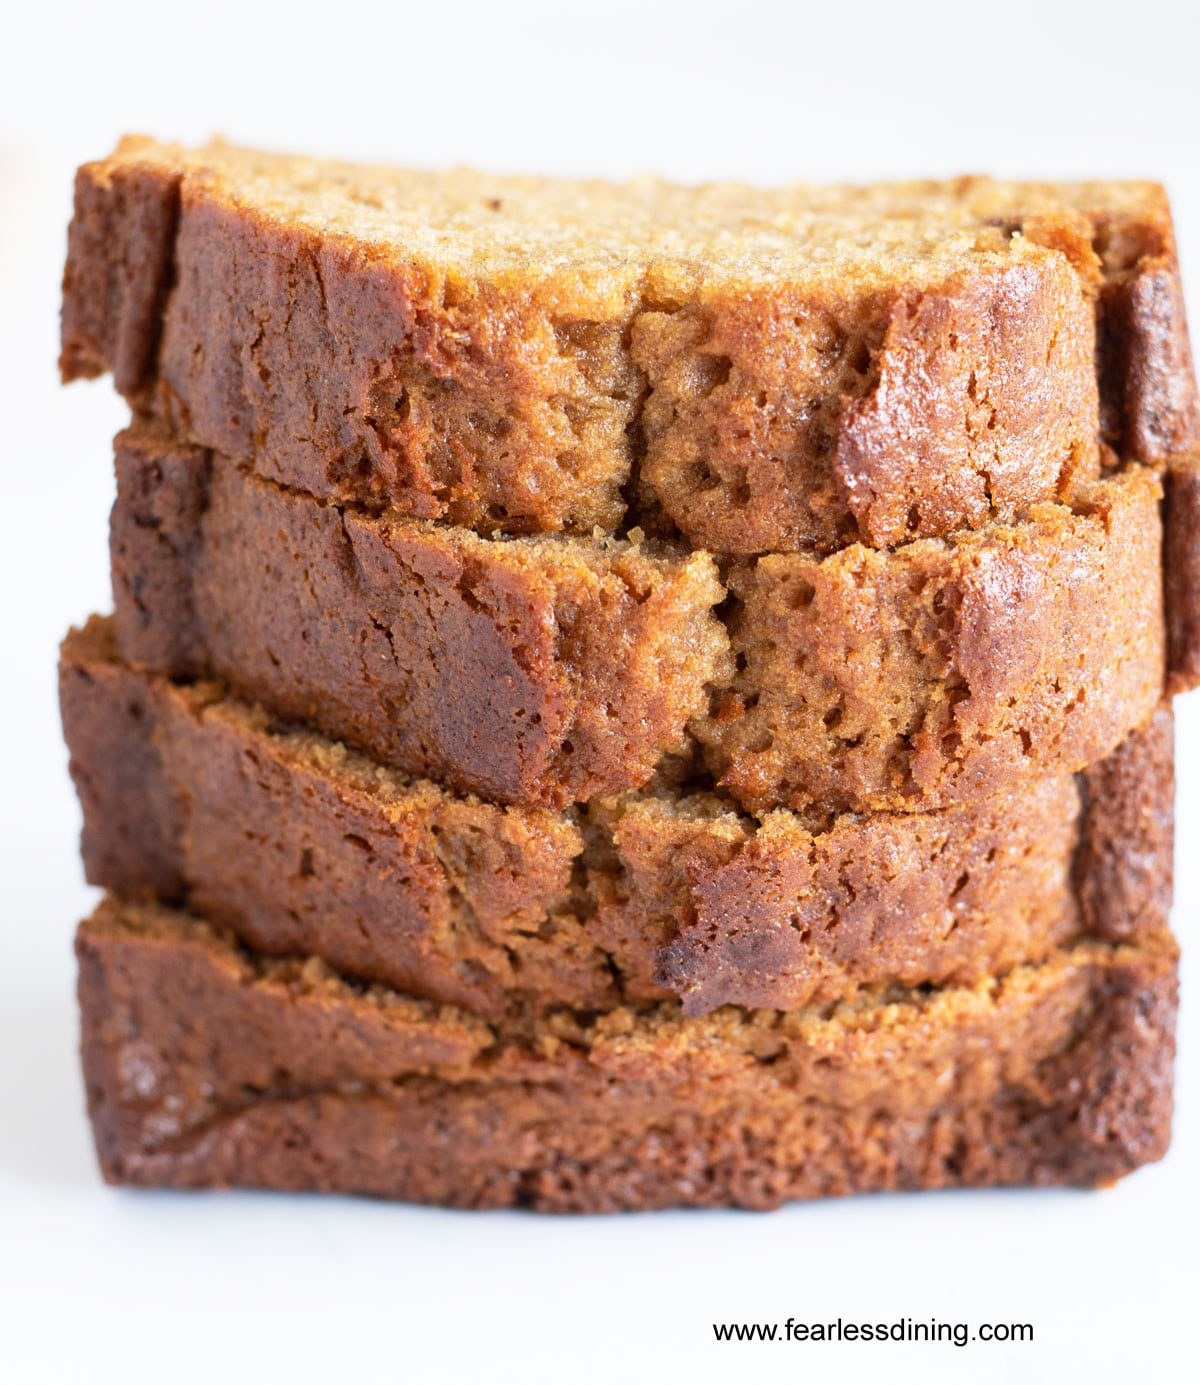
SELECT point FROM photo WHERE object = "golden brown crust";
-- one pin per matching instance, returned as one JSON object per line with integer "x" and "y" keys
{"x": 1124, "y": 865}
{"x": 944, "y": 669}
{"x": 800, "y": 367}
{"x": 300, "y": 846}
{"x": 1148, "y": 404}
{"x": 205, "y": 1066}
{"x": 118, "y": 274}
{"x": 1181, "y": 572}
{"x": 1147, "y": 379}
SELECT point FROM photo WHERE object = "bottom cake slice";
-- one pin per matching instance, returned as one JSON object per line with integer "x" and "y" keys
{"x": 208, "y": 1065}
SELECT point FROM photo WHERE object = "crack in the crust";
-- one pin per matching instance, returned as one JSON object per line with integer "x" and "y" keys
{"x": 654, "y": 518}
{"x": 616, "y": 975}
{"x": 150, "y": 369}
{"x": 465, "y": 920}
{"x": 464, "y": 585}
{"x": 319, "y": 279}
{"x": 382, "y": 627}
{"x": 975, "y": 435}
{"x": 386, "y": 631}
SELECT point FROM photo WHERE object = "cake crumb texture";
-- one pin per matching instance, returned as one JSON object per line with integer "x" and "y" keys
{"x": 298, "y": 845}
{"x": 554, "y": 669}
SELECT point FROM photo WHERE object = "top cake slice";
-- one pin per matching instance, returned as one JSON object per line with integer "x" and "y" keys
{"x": 753, "y": 370}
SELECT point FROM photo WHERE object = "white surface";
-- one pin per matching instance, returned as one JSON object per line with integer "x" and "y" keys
{"x": 103, "y": 1285}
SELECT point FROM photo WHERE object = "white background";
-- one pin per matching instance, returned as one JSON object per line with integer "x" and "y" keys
{"x": 102, "y": 1285}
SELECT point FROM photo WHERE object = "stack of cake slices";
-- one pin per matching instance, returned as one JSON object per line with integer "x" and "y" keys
{"x": 629, "y": 695}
